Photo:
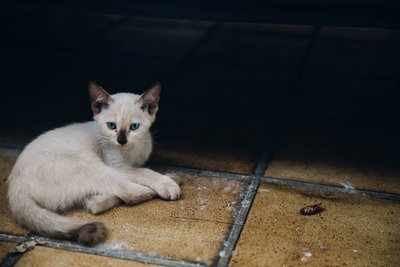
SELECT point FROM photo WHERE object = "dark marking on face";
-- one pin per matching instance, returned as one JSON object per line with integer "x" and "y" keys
{"x": 122, "y": 137}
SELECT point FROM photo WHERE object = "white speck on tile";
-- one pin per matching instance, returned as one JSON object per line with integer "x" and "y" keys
{"x": 263, "y": 190}
{"x": 245, "y": 203}
{"x": 115, "y": 245}
{"x": 346, "y": 185}
{"x": 202, "y": 204}
{"x": 152, "y": 254}
{"x": 216, "y": 183}
{"x": 229, "y": 187}
{"x": 306, "y": 256}
{"x": 126, "y": 227}
{"x": 222, "y": 253}
{"x": 355, "y": 250}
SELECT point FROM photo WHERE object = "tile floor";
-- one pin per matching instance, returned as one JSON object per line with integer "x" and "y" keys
{"x": 236, "y": 218}
{"x": 231, "y": 126}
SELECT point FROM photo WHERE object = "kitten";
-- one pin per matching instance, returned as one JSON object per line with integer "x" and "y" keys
{"x": 95, "y": 165}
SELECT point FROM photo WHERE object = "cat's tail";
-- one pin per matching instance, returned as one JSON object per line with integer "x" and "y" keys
{"x": 51, "y": 224}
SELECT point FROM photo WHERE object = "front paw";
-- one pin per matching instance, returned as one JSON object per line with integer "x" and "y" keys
{"x": 167, "y": 188}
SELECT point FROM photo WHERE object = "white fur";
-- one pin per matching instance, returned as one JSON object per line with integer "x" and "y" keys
{"x": 83, "y": 165}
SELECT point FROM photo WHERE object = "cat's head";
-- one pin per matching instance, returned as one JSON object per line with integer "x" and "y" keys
{"x": 124, "y": 118}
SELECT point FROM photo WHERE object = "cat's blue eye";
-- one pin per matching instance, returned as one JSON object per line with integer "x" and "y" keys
{"x": 135, "y": 126}
{"x": 111, "y": 125}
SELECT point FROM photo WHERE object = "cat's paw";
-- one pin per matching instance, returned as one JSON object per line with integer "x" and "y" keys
{"x": 93, "y": 206}
{"x": 167, "y": 188}
{"x": 100, "y": 203}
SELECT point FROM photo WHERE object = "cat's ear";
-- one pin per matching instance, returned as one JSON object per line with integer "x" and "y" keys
{"x": 149, "y": 99}
{"x": 99, "y": 98}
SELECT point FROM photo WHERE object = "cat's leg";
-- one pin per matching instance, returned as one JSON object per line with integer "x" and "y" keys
{"x": 132, "y": 193}
{"x": 129, "y": 193}
{"x": 117, "y": 183}
{"x": 100, "y": 203}
{"x": 162, "y": 184}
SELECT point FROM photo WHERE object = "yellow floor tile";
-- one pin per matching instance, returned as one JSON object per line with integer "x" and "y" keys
{"x": 192, "y": 228}
{"x": 47, "y": 257}
{"x": 5, "y": 247}
{"x": 7, "y": 225}
{"x": 344, "y": 161}
{"x": 352, "y": 230}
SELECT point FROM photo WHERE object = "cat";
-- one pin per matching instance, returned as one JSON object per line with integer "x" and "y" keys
{"x": 94, "y": 165}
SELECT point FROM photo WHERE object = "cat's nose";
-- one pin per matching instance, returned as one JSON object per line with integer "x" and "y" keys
{"x": 122, "y": 141}
{"x": 122, "y": 138}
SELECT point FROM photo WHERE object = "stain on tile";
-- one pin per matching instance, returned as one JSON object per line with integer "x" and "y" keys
{"x": 47, "y": 257}
{"x": 352, "y": 230}
{"x": 192, "y": 228}
{"x": 341, "y": 156}
{"x": 5, "y": 247}
{"x": 8, "y": 225}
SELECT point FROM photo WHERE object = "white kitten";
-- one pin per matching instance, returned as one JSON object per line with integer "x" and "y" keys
{"x": 93, "y": 164}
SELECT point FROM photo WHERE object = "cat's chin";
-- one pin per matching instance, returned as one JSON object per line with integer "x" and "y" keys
{"x": 124, "y": 146}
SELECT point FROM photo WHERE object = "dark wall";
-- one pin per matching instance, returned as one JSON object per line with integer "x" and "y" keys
{"x": 214, "y": 74}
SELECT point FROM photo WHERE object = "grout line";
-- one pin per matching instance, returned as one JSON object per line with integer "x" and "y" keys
{"x": 330, "y": 188}
{"x": 201, "y": 172}
{"x": 126, "y": 255}
{"x": 266, "y": 154}
{"x": 11, "y": 259}
{"x": 11, "y": 238}
{"x": 226, "y": 252}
